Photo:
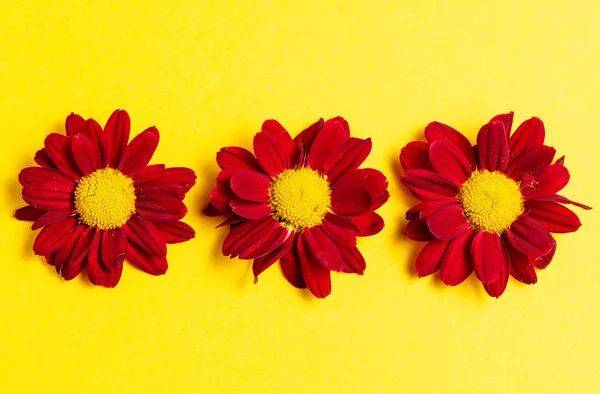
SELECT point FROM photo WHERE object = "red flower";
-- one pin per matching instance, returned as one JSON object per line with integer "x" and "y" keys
{"x": 488, "y": 208}
{"x": 302, "y": 201}
{"x": 99, "y": 203}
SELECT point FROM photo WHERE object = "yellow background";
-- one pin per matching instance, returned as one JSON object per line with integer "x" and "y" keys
{"x": 207, "y": 75}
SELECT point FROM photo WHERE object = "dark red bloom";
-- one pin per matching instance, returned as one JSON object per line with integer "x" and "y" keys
{"x": 301, "y": 201}
{"x": 488, "y": 208}
{"x": 98, "y": 202}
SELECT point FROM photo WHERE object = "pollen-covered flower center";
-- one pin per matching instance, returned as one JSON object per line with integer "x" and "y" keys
{"x": 491, "y": 201}
{"x": 105, "y": 199}
{"x": 300, "y": 198}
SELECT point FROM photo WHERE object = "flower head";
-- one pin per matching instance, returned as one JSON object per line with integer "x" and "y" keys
{"x": 98, "y": 202}
{"x": 488, "y": 208}
{"x": 301, "y": 201}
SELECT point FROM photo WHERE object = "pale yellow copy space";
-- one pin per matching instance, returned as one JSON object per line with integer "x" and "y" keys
{"x": 207, "y": 73}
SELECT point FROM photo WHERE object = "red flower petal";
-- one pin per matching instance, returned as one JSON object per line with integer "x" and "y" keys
{"x": 59, "y": 151}
{"x": 78, "y": 256}
{"x": 563, "y": 200}
{"x": 529, "y": 237}
{"x": 260, "y": 264}
{"x": 327, "y": 145}
{"x": 350, "y": 201}
{"x": 148, "y": 263}
{"x": 426, "y": 208}
{"x": 142, "y": 233}
{"x": 233, "y": 157}
{"x": 270, "y": 154}
{"x": 42, "y": 158}
{"x": 117, "y": 134}
{"x": 530, "y": 162}
{"x": 54, "y": 236}
{"x": 430, "y": 258}
{"x": 51, "y": 217}
{"x": 211, "y": 211}
{"x": 85, "y": 154}
{"x": 276, "y": 236}
{"x": 36, "y": 174}
{"x": 457, "y": 264}
{"x": 99, "y": 142}
{"x": 427, "y": 185}
{"x": 290, "y": 151}
{"x": 49, "y": 196}
{"x": 174, "y": 181}
{"x": 546, "y": 182}
{"x": 353, "y": 154}
{"x": 368, "y": 224}
{"x": 323, "y": 249}
{"x": 160, "y": 207}
{"x": 316, "y": 277}
{"x": 354, "y": 262}
{"x": 29, "y": 214}
{"x": 448, "y": 222}
{"x": 305, "y": 138}
{"x": 290, "y": 265}
{"x": 436, "y": 131}
{"x": 247, "y": 234}
{"x": 138, "y": 153}
{"x": 61, "y": 257}
{"x": 97, "y": 273}
{"x": 251, "y": 186}
{"x": 221, "y": 195}
{"x": 492, "y": 145}
{"x": 250, "y": 209}
{"x": 74, "y": 124}
{"x": 338, "y": 231}
{"x": 520, "y": 267}
{"x": 497, "y": 287}
{"x": 555, "y": 217}
{"x": 530, "y": 134}
{"x": 369, "y": 179}
{"x": 449, "y": 161}
{"x": 417, "y": 230}
{"x": 506, "y": 119}
{"x": 114, "y": 248}
{"x": 543, "y": 261}
{"x": 175, "y": 232}
{"x": 489, "y": 256}
{"x": 415, "y": 156}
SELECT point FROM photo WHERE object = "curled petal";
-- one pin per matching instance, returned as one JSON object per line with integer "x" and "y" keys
{"x": 427, "y": 185}
{"x": 436, "y": 131}
{"x": 251, "y": 186}
{"x": 546, "y": 182}
{"x": 418, "y": 230}
{"x": 530, "y": 162}
{"x": 415, "y": 156}
{"x": 430, "y": 258}
{"x": 530, "y": 237}
{"x": 233, "y": 157}
{"x": 492, "y": 147}
{"x": 175, "y": 232}
{"x": 529, "y": 134}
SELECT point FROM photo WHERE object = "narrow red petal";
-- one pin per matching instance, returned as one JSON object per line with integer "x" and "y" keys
{"x": 29, "y": 214}
{"x": 175, "y": 232}
{"x": 354, "y": 262}
{"x": 233, "y": 157}
{"x": 250, "y": 209}
{"x": 251, "y": 186}
{"x": 41, "y": 158}
{"x": 247, "y": 234}
{"x": 546, "y": 182}
{"x": 145, "y": 236}
{"x": 276, "y": 236}
{"x": 180, "y": 176}
{"x": 97, "y": 273}
{"x": 417, "y": 230}
{"x": 457, "y": 264}
{"x": 448, "y": 222}
{"x": 51, "y": 217}
{"x": 427, "y": 185}
{"x": 338, "y": 231}
{"x": 506, "y": 119}
{"x": 53, "y": 236}
{"x": 415, "y": 156}
{"x": 138, "y": 153}
{"x": 430, "y": 258}
{"x": 306, "y": 138}
{"x": 59, "y": 151}
{"x": 426, "y": 208}
{"x": 520, "y": 267}
{"x": 529, "y": 134}
{"x": 78, "y": 255}
{"x": 74, "y": 124}
{"x": 49, "y": 196}
{"x": 316, "y": 277}
{"x": 290, "y": 265}
{"x": 497, "y": 287}
{"x": 530, "y": 162}
{"x": 545, "y": 260}
{"x": 36, "y": 174}
{"x": 352, "y": 155}
{"x": 99, "y": 142}
{"x": 369, "y": 179}
{"x": 492, "y": 147}
{"x": 448, "y": 160}
{"x": 555, "y": 217}
{"x": 117, "y": 134}
{"x": 327, "y": 144}
{"x": 488, "y": 254}
{"x": 270, "y": 155}
{"x": 563, "y": 200}
{"x": 436, "y": 131}
{"x": 323, "y": 249}
{"x": 85, "y": 154}
{"x": 350, "y": 201}
{"x": 114, "y": 248}
{"x": 530, "y": 237}
{"x": 148, "y": 263}
{"x": 368, "y": 224}
{"x": 290, "y": 150}
{"x": 262, "y": 263}
{"x": 160, "y": 207}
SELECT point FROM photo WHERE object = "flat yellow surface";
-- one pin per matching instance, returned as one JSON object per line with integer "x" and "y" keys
{"x": 207, "y": 75}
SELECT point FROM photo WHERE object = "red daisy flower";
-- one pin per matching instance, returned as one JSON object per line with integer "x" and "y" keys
{"x": 487, "y": 208}
{"x": 98, "y": 202}
{"x": 301, "y": 201}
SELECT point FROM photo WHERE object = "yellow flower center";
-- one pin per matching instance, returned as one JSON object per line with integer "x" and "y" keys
{"x": 105, "y": 199}
{"x": 300, "y": 198}
{"x": 491, "y": 201}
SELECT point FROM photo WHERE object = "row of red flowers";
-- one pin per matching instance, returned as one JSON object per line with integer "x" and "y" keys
{"x": 301, "y": 201}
